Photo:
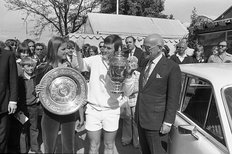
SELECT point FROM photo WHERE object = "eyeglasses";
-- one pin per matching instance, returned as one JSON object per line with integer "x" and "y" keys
{"x": 128, "y": 42}
{"x": 222, "y": 46}
{"x": 147, "y": 48}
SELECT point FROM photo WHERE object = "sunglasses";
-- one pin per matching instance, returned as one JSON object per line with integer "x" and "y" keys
{"x": 222, "y": 46}
{"x": 101, "y": 46}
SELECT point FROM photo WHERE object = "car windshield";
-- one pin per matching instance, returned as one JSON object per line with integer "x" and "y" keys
{"x": 228, "y": 97}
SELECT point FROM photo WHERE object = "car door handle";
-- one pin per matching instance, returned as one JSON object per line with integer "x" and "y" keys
{"x": 188, "y": 129}
{"x": 174, "y": 126}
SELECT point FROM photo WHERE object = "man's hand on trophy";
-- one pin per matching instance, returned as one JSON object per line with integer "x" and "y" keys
{"x": 132, "y": 64}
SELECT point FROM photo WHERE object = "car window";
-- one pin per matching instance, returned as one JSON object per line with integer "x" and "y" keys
{"x": 199, "y": 105}
{"x": 213, "y": 124}
{"x": 227, "y": 93}
{"x": 196, "y": 100}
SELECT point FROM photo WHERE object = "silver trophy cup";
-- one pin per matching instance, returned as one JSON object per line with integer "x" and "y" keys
{"x": 117, "y": 71}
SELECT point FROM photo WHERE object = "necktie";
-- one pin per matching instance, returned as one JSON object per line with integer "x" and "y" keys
{"x": 146, "y": 73}
{"x": 71, "y": 57}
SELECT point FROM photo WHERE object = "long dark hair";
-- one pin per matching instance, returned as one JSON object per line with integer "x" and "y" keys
{"x": 53, "y": 45}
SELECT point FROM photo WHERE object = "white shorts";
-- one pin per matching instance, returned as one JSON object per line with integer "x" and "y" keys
{"x": 97, "y": 120}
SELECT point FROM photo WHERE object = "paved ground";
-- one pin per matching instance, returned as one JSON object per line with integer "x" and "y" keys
{"x": 82, "y": 144}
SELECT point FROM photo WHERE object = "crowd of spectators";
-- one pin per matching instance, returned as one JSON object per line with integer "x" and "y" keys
{"x": 218, "y": 53}
{"x": 31, "y": 55}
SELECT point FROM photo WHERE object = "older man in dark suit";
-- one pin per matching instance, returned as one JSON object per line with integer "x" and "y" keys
{"x": 158, "y": 98}
{"x": 8, "y": 93}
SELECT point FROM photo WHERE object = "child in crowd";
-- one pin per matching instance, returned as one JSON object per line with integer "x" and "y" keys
{"x": 93, "y": 50}
{"x": 29, "y": 105}
{"x": 23, "y": 51}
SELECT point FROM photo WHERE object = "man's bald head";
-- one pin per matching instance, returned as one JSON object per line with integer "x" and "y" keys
{"x": 154, "y": 39}
{"x": 153, "y": 45}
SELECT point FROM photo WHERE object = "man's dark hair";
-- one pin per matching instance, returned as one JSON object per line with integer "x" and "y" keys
{"x": 114, "y": 39}
{"x": 134, "y": 40}
{"x": 39, "y": 44}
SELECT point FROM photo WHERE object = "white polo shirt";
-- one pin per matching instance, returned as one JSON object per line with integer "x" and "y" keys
{"x": 100, "y": 96}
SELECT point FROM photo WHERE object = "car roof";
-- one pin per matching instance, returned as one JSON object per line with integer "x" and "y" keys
{"x": 219, "y": 74}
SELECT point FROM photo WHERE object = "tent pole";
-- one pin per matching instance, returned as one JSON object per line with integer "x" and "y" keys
{"x": 117, "y": 8}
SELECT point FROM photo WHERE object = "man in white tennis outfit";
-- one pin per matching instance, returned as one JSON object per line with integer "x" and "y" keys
{"x": 103, "y": 110}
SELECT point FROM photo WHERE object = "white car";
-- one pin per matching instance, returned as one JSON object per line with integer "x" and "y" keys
{"x": 203, "y": 123}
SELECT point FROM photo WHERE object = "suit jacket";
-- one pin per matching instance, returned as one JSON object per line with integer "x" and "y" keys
{"x": 158, "y": 100}
{"x": 26, "y": 90}
{"x": 141, "y": 60}
{"x": 8, "y": 79}
{"x": 140, "y": 55}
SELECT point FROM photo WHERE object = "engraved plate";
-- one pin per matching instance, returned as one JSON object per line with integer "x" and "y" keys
{"x": 65, "y": 90}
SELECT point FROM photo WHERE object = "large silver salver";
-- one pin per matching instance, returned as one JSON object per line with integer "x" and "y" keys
{"x": 117, "y": 71}
{"x": 65, "y": 90}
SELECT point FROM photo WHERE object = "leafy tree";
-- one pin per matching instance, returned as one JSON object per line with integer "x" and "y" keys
{"x": 192, "y": 37}
{"x": 63, "y": 16}
{"x": 146, "y": 8}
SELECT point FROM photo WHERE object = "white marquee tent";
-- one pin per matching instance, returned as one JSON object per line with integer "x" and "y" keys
{"x": 99, "y": 25}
